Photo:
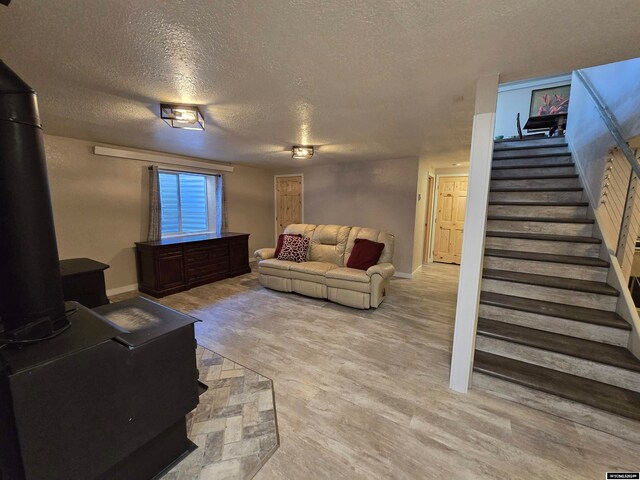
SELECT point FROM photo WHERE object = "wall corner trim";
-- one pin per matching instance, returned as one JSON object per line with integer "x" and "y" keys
{"x": 118, "y": 290}
{"x": 403, "y": 275}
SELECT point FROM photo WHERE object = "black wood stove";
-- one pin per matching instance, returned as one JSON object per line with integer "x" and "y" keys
{"x": 84, "y": 393}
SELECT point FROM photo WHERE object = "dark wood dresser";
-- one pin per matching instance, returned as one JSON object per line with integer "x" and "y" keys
{"x": 173, "y": 265}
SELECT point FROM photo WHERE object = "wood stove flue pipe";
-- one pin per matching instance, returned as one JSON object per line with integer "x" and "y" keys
{"x": 31, "y": 300}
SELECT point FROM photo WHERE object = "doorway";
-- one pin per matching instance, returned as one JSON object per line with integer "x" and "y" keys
{"x": 451, "y": 204}
{"x": 431, "y": 182}
{"x": 288, "y": 200}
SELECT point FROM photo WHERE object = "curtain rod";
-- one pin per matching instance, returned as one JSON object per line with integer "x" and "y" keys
{"x": 186, "y": 171}
{"x": 160, "y": 158}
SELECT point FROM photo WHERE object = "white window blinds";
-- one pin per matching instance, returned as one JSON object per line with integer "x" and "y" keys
{"x": 185, "y": 203}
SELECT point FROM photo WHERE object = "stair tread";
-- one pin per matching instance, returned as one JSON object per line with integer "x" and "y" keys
{"x": 529, "y": 147}
{"x": 540, "y": 219}
{"x": 533, "y": 165}
{"x": 552, "y": 309}
{"x": 536, "y": 203}
{"x": 547, "y": 257}
{"x": 588, "y": 286}
{"x": 545, "y": 237}
{"x": 536, "y": 189}
{"x": 539, "y": 177}
{"x": 600, "y": 395}
{"x": 534, "y": 155}
{"x": 554, "y": 342}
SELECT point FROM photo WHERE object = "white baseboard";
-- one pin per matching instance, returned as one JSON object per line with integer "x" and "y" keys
{"x": 117, "y": 291}
{"x": 403, "y": 275}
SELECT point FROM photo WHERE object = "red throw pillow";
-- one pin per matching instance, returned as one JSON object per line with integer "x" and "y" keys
{"x": 280, "y": 240}
{"x": 365, "y": 254}
{"x": 294, "y": 249}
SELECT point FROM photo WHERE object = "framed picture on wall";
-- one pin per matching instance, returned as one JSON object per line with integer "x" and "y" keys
{"x": 550, "y": 101}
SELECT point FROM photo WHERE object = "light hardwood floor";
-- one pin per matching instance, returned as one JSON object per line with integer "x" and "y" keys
{"x": 364, "y": 394}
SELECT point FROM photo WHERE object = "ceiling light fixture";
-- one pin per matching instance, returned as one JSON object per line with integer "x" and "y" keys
{"x": 302, "y": 151}
{"x": 187, "y": 117}
{"x": 455, "y": 164}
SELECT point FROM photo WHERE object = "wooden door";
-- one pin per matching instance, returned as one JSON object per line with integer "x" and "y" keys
{"x": 288, "y": 201}
{"x": 451, "y": 206}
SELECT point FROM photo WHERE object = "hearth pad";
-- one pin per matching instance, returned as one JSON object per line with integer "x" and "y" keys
{"x": 234, "y": 426}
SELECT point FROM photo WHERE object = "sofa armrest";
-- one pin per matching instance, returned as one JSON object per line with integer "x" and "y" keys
{"x": 385, "y": 270}
{"x": 264, "y": 253}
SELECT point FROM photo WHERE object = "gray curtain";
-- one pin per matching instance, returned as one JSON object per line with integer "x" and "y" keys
{"x": 155, "y": 209}
{"x": 221, "y": 206}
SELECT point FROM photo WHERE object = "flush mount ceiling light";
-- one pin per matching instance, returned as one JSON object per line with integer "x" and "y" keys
{"x": 300, "y": 151}
{"x": 187, "y": 117}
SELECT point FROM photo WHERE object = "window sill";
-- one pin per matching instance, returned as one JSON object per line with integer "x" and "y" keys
{"x": 191, "y": 234}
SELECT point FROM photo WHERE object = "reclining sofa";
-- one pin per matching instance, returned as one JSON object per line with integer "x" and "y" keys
{"x": 324, "y": 274}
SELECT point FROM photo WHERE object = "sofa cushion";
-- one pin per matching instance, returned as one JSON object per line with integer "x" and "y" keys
{"x": 294, "y": 249}
{"x": 349, "y": 279}
{"x": 328, "y": 244}
{"x": 280, "y": 243}
{"x": 350, "y": 274}
{"x": 313, "y": 268}
{"x": 275, "y": 267}
{"x": 348, "y": 285}
{"x": 304, "y": 229}
{"x": 277, "y": 264}
{"x": 365, "y": 254}
{"x": 312, "y": 271}
{"x": 372, "y": 234}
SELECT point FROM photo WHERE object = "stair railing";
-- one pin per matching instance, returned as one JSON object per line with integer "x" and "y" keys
{"x": 620, "y": 192}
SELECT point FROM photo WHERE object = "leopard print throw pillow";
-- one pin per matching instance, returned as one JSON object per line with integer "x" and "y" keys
{"x": 294, "y": 249}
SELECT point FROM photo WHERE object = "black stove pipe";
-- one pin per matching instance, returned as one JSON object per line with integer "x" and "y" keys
{"x": 31, "y": 300}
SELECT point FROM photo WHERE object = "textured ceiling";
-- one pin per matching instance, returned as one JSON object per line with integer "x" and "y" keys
{"x": 359, "y": 79}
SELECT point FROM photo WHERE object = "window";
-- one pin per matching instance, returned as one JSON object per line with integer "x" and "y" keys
{"x": 187, "y": 203}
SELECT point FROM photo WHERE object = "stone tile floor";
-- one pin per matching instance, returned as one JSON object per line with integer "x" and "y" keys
{"x": 234, "y": 426}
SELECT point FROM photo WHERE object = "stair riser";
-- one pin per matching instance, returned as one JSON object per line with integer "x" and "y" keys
{"x": 563, "y": 408}
{"x": 538, "y": 211}
{"x": 599, "y": 372}
{"x": 564, "y": 270}
{"x": 572, "y": 328}
{"x": 532, "y": 172}
{"x": 543, "y": 246}
{"x": 528, "y": 152}
{"x": 540, "y": 182}
{"x": 550, "y": 294}
{"x": 529, "y": 143}
{"x": 552, "y": 228}
{"x": 535, "y": 196}
{"x": 542, "y": 161}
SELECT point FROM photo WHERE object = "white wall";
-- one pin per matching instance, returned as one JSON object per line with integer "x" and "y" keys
{"x": 619, "y": 86}
{"x": 101, "y": 204}
{"x": 515, "y": 97}
{"x": 475, "y": 220}
{"x": 378, "y": 194}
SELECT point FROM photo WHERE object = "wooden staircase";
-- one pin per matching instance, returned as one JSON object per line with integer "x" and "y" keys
{"x": 548, "y": 335}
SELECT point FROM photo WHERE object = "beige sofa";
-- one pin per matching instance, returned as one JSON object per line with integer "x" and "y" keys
{"x": 325, "y": 274}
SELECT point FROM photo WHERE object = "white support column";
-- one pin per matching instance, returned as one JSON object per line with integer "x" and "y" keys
{"x": 475, "y": 220}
